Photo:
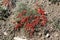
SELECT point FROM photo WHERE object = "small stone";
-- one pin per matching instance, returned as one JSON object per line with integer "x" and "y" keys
{"x": 46, "y": 12}
{"x": 5, "y": 33}
{"x": 18, "y": 38}
{"x": 40, "y": 34}
{"x": 49, "y": 3}
{"x": 56, "y": 34}
{"x": 47, "y": 35}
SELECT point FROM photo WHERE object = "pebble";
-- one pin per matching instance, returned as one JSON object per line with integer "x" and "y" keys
{"x": 56, "y": 34}
{"x": 18, "y": 38}
{"x": 47, "y": 35}
{"x": 40, "y": 34}
{"x": 5, "y": 33}
{"x": 49, "y": 3}
{"x": 46, "y": 12}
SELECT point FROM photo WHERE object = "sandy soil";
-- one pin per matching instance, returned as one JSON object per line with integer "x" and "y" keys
{"x": 52, "y": 30}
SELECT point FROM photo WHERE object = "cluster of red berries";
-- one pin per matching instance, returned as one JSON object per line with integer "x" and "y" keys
{"x": 31, "y": 21}
{"x": 43, "y": 17}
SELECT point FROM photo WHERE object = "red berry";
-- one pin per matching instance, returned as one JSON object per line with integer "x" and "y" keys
{"x": 40, "y": 11}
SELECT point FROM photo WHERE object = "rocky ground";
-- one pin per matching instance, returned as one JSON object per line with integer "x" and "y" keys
{"x": 50, "y": 32}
